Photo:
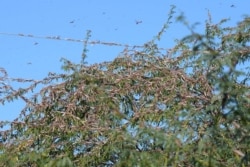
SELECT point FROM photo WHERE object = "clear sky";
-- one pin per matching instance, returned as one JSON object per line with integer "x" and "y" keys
{"x": 109, "y": 21}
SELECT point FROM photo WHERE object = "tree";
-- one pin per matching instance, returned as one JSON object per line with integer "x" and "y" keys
{"x": 189, "y": 107}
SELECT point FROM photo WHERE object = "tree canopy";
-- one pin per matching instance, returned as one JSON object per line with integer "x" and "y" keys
{"x": 189, "y": 106}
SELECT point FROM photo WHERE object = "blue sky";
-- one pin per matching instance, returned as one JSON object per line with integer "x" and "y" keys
{"x": 108, "y": 20}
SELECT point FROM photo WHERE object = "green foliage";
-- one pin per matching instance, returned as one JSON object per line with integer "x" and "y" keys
{"x": 189, "y": 107}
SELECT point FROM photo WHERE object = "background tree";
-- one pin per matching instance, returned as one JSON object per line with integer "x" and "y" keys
{"x": 187, "y": 107}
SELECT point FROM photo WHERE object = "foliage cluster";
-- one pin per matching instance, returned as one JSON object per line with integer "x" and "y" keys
{"x": 187, "y": 107}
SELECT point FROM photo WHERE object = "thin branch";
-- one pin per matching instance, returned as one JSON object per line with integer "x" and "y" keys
{"x": 96, "y": 42}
